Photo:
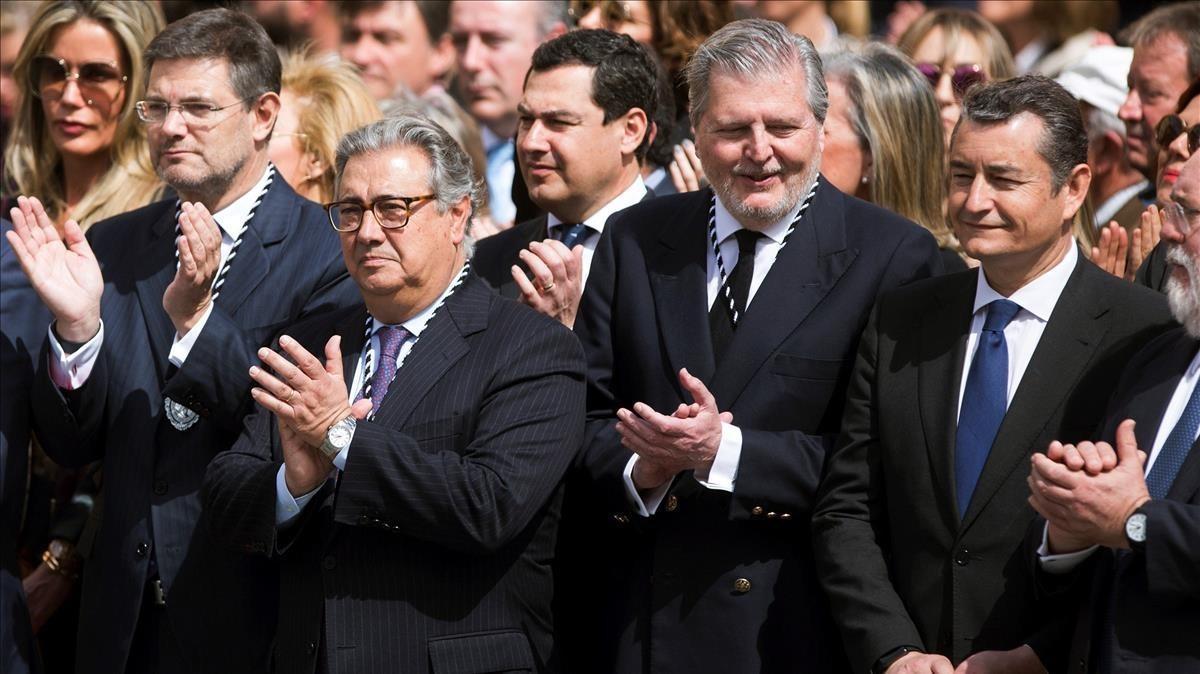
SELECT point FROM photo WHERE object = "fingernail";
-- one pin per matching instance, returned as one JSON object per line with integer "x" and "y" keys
{"x": 253, "y": 370}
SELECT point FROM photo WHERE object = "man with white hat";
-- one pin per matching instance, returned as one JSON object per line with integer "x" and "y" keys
{"x": 1099, "y": 82}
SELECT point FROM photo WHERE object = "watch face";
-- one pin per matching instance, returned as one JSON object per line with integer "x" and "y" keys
{"x": 1135, "y": 527}
{"x": 339, "y": 436}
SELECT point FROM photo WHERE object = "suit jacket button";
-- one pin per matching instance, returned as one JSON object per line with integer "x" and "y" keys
{"x": 160, "y": 487}
{"x": 142, "y": 549}
{"x": 312, "y": 648}
{"x": 785, "y": 517}
{"x": 756, "y": 511}
{"x": 772, "y": 515}
{"x": 672, "y": 503}
{"x": 962, "y": 557}
{"x": 621, "y": 519}
{"x": 330, "y": 562}
{"x": 741, "y": 585}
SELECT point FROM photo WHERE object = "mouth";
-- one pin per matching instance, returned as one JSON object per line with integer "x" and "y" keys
{"x": 759, "y": 181}
{"x": 1170, "y": 176}
{"x": 70, "y": 128}
{"x": 541, "y": 170}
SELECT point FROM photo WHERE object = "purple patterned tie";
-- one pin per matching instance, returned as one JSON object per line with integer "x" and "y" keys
{"x": 390, "y": 339}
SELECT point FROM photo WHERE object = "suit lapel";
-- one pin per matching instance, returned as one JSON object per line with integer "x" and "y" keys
{"x": 944, "y": 330}
{"x": 678, "y": 281}
{"x": 805, "y": 271}
{"x": 154, "y": 270}
{"x": 268, "y": 226}
{"x": 1075, "y": 329}
{"x": 1148, "y": 405}
{"x": 439, "y": 347}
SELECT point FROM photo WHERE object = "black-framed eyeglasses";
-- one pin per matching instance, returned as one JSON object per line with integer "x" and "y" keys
{"x": 97, "y": 80}
{"x": 390, "y": 212}
{"x": 193, "y": 112}
{"x": 962, "y": 77}
{"x": 1170, "y": 127}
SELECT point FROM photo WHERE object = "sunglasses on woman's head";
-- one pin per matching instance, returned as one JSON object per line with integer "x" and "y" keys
{"x": 97, "y": 80}
{"x": 1170, "y": 127}
{"x": 962, "y": 77}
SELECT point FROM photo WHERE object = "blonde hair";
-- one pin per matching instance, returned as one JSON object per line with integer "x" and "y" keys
{"x": 34, "y": 164}
{"x": 893, "y": 112}
{"x": 332, "y": 102}
{"x": 954, "y": 24}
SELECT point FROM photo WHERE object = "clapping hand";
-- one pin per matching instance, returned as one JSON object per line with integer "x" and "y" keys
{"x": 557, "y": 284}
{"x": 61, "y": 268}
{"x": 199, "y": 248}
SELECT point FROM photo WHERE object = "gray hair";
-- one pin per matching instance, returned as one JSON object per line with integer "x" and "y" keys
{"x": 451, "y": 174}
{"x": 1100, "y": 122}
{"x": 754, "y": 48}
{"x": 551, "y": 14}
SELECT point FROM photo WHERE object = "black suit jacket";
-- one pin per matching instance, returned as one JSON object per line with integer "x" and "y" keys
{"x": 1154, "y": 592}
{"x": 898, "y": 564}
{"x": 662, "y": 593}
{"x": 432, "y": 553}
{"x": 23, "y": 322}
{"x": 221, "y": 605}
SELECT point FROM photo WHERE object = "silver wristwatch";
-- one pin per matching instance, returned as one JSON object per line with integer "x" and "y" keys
{"x": 338, "y": 437}
{"x": 1135, "y": 530}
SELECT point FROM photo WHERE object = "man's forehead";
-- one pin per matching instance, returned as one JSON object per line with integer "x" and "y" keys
{"x": 209, "y": 73}
{"x": 396, "y": 171}
{"x": 567, "y": 87}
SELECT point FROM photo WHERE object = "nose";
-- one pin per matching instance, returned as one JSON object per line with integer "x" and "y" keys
{"x": 1178, "y": 146}
{"x": 979, "y": 196}
{"x": 944, "y": 91}
{"x": 359, "y": 53}
{"x": 532, "y": 138}
{"x": 1131, "y": 108}
{"x": 758, "y": 147}
{"x": 369, "y": 232}
{"x": 174, "y": 124}
{"x": 471, "y": 59}
{"x": 71, "y": 94}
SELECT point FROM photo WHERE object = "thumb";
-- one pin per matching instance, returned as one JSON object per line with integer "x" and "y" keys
{"x": 697, "y": 389}
{"x": 726, "y": 417}
{"x": 361, "y": 409}
{"x": 333, "y": 355}
{"x": 1127, "y": 449}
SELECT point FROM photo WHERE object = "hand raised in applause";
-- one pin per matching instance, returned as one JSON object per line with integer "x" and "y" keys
{"x": 1084, "y": 509}
{"x": 685, "y": 169}
{"x": 61, "y": 268}
{"x": 1111, "y": 252}
{"x": 921, "y": 663}
{"x": 1145, "y": 237}
{"x": 688, "y": 439}
{"x": 199, "y": 247}
{"x": 557, "y": 283}
{"x": 1020, "y": 660}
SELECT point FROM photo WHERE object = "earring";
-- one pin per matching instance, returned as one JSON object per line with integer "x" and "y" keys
{"x": 91, "y": 102}
{"x": 864, "y": 180}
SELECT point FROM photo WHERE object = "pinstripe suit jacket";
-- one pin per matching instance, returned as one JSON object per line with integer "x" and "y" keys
{"x": 221, "y": 605}
{"x": 432, "y": 552}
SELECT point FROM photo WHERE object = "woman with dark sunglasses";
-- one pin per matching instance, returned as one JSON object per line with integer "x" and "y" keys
{"x": 1178, "y": 136}
{"x": 955, "y": 49}
{"x": 76, "y": 143}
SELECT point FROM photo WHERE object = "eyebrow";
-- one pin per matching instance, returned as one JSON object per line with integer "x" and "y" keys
{"x": 526, "y": 110}
{"x": 1003, "y": 169}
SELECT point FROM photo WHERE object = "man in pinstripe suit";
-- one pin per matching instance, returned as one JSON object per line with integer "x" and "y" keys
{"x": 157, "y": 315}
{"x": 407, "y": 476}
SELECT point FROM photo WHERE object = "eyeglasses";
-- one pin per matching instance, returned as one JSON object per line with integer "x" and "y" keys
{"x": 390, "y": 212}
{"x": 1170, "y": 127}
{"x": 962, "y": 77}
{"x": 98, "y": 81}
{"x": 194, "y": 112}
{"x": 1182, "y": 219}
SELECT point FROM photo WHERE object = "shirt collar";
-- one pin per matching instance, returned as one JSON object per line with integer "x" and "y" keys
{"x": 727, "y": 224}
{"x": 1039, "y": 296}
{"x": 232, "y": 218}
{"x": 416, "y": 325}
{"x": 1109, "y": 208}
{"x": 631, "y": 195}
{"x": 490, "y": 139}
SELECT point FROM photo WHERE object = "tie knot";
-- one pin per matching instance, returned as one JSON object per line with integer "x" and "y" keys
{"x": 573, "y": 234}
{"x": 390, "y": 339}
{"x": 747, "y": 240}
{"x": 1000, "y": 314}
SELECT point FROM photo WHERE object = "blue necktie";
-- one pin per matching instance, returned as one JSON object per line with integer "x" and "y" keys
{"x": 574, "y": 234}
{"x": 985, "y": 400}
{"x": 1175, "y": 450}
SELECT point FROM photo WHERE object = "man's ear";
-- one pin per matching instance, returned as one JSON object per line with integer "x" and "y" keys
{"x": 266, "y": 113}
{"x": 1076, "y": 188}
{"x": 460, "y": 214}
{"x": 634, "y": 126}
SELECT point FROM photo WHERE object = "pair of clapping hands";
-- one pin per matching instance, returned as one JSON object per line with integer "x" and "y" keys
{"x": 1121, "y": 254}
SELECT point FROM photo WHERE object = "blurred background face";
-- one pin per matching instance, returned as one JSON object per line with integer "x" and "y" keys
{"x": 1157, "y": 77}
{"x": 494, "y": 42}
{"x": 1173, "y": 151}
{"x": 10, "y": 44}
{"x": 629, "y": 17}
{"x": 390, "y": 46}
{"x": 932, "y": 53}
{"x": 287, "y": 150}
{"x": 845, "y": 161}
{"x": 81, "y": 114}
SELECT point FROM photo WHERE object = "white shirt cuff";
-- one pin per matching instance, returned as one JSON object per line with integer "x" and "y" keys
{"x": 723, "y": 471}
{"x": 1061, "y": 563}
{"x": 287, "y": 506}
{"x": 182, "y": 346}
{"x": 339, "y": 461}
{"x": 649, "y": 505}
{"x": 69, "y": 371}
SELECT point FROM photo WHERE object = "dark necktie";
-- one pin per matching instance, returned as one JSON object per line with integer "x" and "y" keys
{"x": 391, "y": 338}
{"x": 1175, "y": 450}
{"x": 571, "y": 235}
{"x": 736, "y": 290}
{"x": 985, "y": 400}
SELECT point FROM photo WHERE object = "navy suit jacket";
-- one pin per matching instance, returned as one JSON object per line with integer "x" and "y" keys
{"x": 1152, "y": 595}
{"x": 23, "y": 322}
{"x": 432, "y": 551}
{"x": 221, "y": 605}
{"x": 653, "y": 594}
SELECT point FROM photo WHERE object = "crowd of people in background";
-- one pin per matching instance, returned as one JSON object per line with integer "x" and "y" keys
{"x": 600, "y": 336}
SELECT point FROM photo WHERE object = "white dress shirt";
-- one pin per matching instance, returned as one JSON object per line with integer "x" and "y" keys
{"x": 1062, "y": 563}
{"x": 70, "y": 371}
{"x": 722, "y": 475}
{"x": 1108, "y": 209}
{"x": 631, "y": 195}
{"x": 287, "y": 507}
{"x": 500, "y": 171}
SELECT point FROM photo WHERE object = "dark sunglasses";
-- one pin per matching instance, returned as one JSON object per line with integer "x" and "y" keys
{"x": 48, "y": 77}
{"x": 1170, "y": 127}
{"x": 962, "y": 77}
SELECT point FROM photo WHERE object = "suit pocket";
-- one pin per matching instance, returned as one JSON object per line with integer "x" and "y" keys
{"x": 435, "y": 429}
{"x": 805, "y": 368}
{"x": 481, "y": 653}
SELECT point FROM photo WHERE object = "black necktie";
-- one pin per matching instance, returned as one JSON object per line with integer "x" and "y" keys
{"x": 734, "y": 295}
{"x": 571, "y": 235}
